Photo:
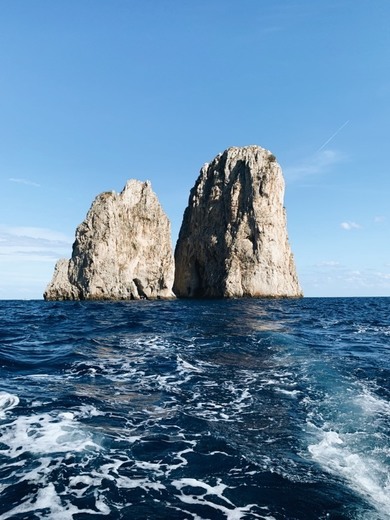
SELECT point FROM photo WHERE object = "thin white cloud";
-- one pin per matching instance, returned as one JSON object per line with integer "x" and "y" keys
{"x": 271, "y": 29}
{"x": 342, "y": 280}
{"x": 329, "y": 263}
{"x": 24, "y": 181}
{"x": 35, "y": 233}
{"x": 350, "y": 225}
{"x": 32, "y": 244}
{"x": 379, "y": 219}
{"x": 383, "y": 276}
{"x": 317, "y": 164}
{"x": 25, "y": 255}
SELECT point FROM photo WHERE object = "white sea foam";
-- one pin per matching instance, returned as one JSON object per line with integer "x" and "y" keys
{"x": 45, "y": 434}
{"x": 137, "y": 344}
{"x": 364, "y": 474}
{"x": 89, "y": 411}
{"x": 7, "y": 402}
{"x": 290, "y": 393}
{"x": 372, "y": 404}
{"x": 48, "y": 499}
{"x": 230, "y": 511}
{"x": 111, "y": 472}
{"x": 374, "y": 330}
{"x": 142, "y": 483}
{"x": 227, "y": 403}
{"x": 182, "y": 364}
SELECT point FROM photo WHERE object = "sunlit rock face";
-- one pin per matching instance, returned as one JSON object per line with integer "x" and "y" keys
{"x": 122, "y": 250}
{"x": 233, "y": 240}
{"x": 60, "y": 287}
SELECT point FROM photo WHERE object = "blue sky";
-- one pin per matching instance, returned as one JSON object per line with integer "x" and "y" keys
{"x": 95, "y": 92}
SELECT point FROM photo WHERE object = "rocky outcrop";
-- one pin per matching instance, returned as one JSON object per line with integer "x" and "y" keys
{"x": 122, "y": 250}
{"x": 233, "y": 239}
{"x": 60, "y": 287}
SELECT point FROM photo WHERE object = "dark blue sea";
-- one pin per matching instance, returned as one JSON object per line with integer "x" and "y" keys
{"x": 220, "y": 409}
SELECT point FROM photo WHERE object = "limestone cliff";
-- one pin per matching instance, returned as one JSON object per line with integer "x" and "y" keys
{"x": 122, "y": 250}
{"x": 233, "y": 240}
{"x": 60, "y": 287}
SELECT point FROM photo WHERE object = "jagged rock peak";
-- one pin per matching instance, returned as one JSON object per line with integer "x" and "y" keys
{"x": 122, "y": 250}
{"x": 233, "y": 240}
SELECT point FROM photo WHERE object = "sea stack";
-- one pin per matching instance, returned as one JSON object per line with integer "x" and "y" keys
{"x": 233, "y": 240}
{"x": 122, "y": 250}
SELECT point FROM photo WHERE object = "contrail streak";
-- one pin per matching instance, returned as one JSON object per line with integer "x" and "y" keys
{"x": 333, "y": 136}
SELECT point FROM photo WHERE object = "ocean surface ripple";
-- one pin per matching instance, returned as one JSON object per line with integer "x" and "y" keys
{"x": 219, "y": 409}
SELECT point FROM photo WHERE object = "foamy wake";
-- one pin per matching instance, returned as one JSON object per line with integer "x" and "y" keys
{"x": 48, "y": 499}
{"x": 7, "y": 402}
{"x": 224, "y": 505}
{"x": 45, "y": 434}
{"x": 365, "y": 475}
{"x": 50, "y": 439}
{"x": 359, "y": 456}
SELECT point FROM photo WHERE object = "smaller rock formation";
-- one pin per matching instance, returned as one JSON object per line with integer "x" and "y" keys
{"x": 122, "y": 250}
{"x": 60, "y": 287}
{"x": 233, "y": 239}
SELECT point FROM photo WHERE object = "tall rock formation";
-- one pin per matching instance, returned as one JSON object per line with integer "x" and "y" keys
{"x": 122, "y": 250}
{"x": 233, "y": 239}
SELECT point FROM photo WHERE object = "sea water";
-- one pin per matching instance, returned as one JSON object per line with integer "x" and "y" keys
{"x": 219, "y": 409}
